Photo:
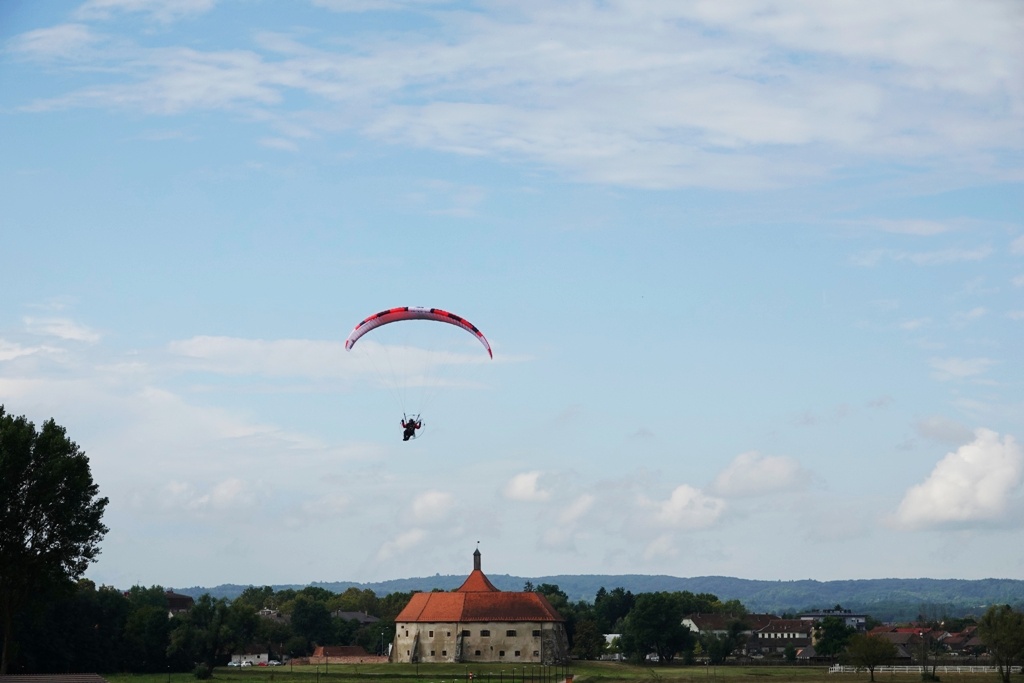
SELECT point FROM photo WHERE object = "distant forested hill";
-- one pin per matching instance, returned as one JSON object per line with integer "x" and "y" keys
{"x": 883, "y": 599}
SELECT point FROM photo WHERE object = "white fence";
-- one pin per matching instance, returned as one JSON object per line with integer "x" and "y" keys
{"x": 840, "y": 669}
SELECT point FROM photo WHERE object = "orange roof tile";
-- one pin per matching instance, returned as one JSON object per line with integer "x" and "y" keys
{"x": 478, "y": 607}
{"x": 477, "y": 600}
{"x": 476, "y": 582}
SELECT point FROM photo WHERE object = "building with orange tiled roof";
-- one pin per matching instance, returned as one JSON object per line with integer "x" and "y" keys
{"x": 479, "y": 623}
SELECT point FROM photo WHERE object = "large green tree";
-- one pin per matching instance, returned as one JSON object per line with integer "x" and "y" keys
{"x": 870, "y": 652}
{"x": 589, "y": 643}
{"x": 257, "y": 598}
{"x": 209, "y": 631}
{"x": 611, "y": 607}
{"x": 720, "y": 647}
{"x": 311, "y": 620}
{"x": 50, "y": 517}
{"x": 81, "y": 629}
{"x": 831, "y": 635}
{"x": 355, "y": 600}
{"x": 655, "y": 625}
{"x": 146, "y": 630}
{"x": 1002, "y": 631}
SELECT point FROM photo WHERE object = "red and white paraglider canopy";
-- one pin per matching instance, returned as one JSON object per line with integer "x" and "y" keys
{"x": 393, "y": 315}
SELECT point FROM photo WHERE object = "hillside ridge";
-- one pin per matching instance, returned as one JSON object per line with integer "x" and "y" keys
{"x": 885, "y": 599}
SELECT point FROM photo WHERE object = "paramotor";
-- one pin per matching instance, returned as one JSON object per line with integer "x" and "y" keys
{"x": 412, "y": 363}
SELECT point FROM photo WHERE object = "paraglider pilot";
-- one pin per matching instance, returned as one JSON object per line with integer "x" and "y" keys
{"x": 410, "y": 425}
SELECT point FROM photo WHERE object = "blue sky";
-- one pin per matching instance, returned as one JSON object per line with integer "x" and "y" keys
{"x": 753, "y": 273}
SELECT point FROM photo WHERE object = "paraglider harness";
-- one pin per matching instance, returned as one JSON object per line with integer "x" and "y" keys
{"x": 410, "y": 425}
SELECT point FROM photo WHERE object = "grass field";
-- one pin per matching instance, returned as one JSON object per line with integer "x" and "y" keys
{"x": 582, "y": 672}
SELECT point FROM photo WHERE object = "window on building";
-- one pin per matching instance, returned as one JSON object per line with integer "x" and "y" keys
{"x": 501, "y": 653}
{"x": 517, "y": 653}
{"x": 431, "y": 653}
{"x": 448, "y": 634}
{"x": 465, "y": 634}
{"x": 430, "y": 634}
{"x": 477, "y": 653}
{"x": 536, "y": 653}
{"x": 444, "y": 653}
{"x": 536, "y": 634}
{"x": 485, "y": 633}
{"x": 511, "y": 633}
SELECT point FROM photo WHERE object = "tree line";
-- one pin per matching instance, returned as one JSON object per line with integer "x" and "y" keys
{"x": 107, "y": 630}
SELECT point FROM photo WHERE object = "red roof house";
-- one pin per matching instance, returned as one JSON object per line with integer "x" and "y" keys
{"x": 479, "y": 623}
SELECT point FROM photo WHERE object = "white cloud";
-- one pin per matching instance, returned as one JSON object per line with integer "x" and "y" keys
{"x": 375, "y": 5}
{"x": 963, "y": 318}
{"x": 231, "y": 494}
{"x": 326, "y": 506}
{"x": 918, "y": 227}
{"x": 959, "y": 368}
{"x": 280, "y": 358}
{"x": 661, "y": 548}
{"x": 914, "y": 324}
{"x": 12, "y": 350}
{"x": 925, "y": 258}
{"x": 686, "y": 509}
{"x": 628, "y": 94}
{"x": 178, "y": 80}
{"x": 432, "y": 506}
{"x": 282, "y": 144}
{"x": 1017, "y": 246}
{"x": 975, "y": 484}
{"x": 943, "y": 430}
{"x": 228, "y": 494}
{"x": 161, "y": 10}
{"x": 1018, "y": 280}
{"x": 64, "y": 41}
{"x": 526, "y": 487}
{"x": 880, "y": 402}
{"x": 753, "y": 474}
{"x": 62, "y": 328}
{"x": 561, "y": 536}
{"x": 945, "y": 256}
{"x": 575, "y": 510}
{"x": 403, "y": 542}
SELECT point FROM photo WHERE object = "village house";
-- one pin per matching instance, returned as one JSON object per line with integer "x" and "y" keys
{"x": 274, "y": 615}
{"x": 177, "y": 603}
{"x": 343, "y": 654}
{"x": 761, "y": 634}
{"x": 856, "y": 620}
{"x": 479, "y": 623}
{"x": 779, "y": 635}
{"x": 719, "y": 624}
{"x": 254, "y": 655}
{"x": 905, "y": 640}
{"x": 362, "y": 618}
{"x": 964, "y": 644}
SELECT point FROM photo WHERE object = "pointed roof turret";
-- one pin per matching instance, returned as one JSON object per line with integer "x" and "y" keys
{"x": 477, "y": 581}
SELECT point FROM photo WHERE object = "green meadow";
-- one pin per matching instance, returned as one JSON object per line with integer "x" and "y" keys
{"x": 582, "y": 672}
